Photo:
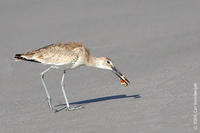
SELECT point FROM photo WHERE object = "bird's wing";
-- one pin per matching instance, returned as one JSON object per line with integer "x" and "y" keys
{"x": 60, "y": 58}
{"x": 57, "y": 54}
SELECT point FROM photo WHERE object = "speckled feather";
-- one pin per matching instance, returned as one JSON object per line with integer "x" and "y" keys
{"x": 60, "y": 53}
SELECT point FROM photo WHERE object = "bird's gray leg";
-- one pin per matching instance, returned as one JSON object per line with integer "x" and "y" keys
{"x": 45, "y": 87}
{"x": 69, "y": 108}
{"x": 63, "y": 89}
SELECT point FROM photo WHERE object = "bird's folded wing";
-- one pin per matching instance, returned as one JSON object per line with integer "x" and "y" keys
{"x": 55, "y": 56}
{"x": 59, "y": 58}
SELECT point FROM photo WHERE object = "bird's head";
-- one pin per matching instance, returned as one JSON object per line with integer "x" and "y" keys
{"x": 106, "y": 63}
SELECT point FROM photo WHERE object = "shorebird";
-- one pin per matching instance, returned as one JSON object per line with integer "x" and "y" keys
{"x": 65, "y": 56}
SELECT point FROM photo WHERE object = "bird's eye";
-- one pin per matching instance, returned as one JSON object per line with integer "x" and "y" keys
{"x": 108, "y": 62}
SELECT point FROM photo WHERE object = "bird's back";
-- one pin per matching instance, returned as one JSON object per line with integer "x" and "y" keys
{"x": 58, "y": 53}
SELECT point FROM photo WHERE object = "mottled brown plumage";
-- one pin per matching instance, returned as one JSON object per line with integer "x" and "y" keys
{"x": 59, "y": 54}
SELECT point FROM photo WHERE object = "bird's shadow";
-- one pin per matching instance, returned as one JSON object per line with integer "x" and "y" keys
{"x": 100, "y": 99}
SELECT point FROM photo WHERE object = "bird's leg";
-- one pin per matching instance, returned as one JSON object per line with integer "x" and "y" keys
{"x": 68, "y": 108}
{"x": 63, "y": 89}
{"x": 45, "y": 87}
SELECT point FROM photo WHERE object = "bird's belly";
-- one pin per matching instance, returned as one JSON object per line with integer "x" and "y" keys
{"x": 72, "y": 65}
{"x": 68, "y": 66}
{"x": 64, "y": 67}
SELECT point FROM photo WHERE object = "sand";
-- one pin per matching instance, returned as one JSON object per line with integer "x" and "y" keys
{"x": 156, "y": 44}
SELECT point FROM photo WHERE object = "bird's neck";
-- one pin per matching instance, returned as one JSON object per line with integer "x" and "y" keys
{"x": 93, "y": 61}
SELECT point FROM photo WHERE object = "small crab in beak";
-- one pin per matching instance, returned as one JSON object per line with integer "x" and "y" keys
{"x": 124, "y": 81}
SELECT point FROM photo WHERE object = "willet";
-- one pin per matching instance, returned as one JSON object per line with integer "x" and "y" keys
{"x": 67, "y": 56}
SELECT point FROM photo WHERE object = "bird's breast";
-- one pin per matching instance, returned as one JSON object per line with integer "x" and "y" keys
{"x": 79, "y": 62}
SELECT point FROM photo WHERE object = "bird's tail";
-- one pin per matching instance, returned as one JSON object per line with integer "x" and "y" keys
{"x": 20, "y": 57}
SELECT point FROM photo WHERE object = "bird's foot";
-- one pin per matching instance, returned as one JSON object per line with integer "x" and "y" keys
{"x": 72, "y": 108}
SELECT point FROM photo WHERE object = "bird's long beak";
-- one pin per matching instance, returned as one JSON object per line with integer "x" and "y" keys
{"x": 120, "y": 75}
